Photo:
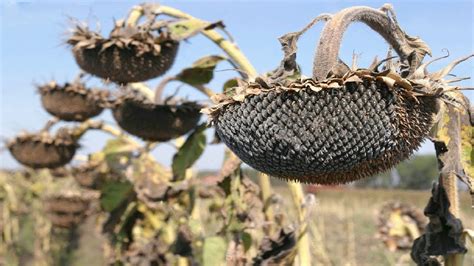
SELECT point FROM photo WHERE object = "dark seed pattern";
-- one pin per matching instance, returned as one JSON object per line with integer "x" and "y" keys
{"x": 40, "y": 154}
{"x": 123, "y": 65}
{"x": 158, "y": 122}
{"x": 70, "y": 105}
{"x": 327, "y": 137}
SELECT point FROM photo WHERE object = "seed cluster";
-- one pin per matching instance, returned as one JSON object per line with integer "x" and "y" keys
{"x": 330, "y": 136}
{"x": 37, "y": 151}
{"x": 122, "y": 65}
{"x": 72, "y": 102}
{"x": 156, "y": 122}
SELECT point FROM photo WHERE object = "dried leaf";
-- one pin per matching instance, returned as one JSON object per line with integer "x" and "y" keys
{"x": 279, "y": 250}
{"x": 446, "y": 70}
{"x": 443, "y": 235}
{"x": 453, "y": 140}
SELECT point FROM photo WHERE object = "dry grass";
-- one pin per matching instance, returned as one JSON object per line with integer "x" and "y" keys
{"x": 344, "y": 226}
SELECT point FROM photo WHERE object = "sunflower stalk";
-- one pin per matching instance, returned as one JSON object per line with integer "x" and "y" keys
{"x": 134, "y": 16}
{"x": 304, "y": 252}
{"x": 449, "y": 136}
{"x": 82, "y": 128}
{"x": 410, "y": 49}
{"x": 230, "y": 48}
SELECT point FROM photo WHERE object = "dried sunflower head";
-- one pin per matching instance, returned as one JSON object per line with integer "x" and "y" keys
{"x": 131, "y": 53}
{"x": 155, "y": 121}
{"x": 72, "y": 101}
{"x": 400, "y": 224}
{"x": 343, "y": 123}
{"x": 43, "y": 150}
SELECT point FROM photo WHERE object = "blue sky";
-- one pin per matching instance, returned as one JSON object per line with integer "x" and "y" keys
{"x": 32, "y": 49}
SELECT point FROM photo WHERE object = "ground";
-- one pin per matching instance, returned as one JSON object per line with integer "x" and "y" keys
{"x": 343, "y": 226}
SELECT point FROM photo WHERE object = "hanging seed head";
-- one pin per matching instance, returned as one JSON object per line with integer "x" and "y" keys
{"x": 329, "y": 135}
{"x": 155, "y": 122}
{"x": 340, "y": 125}
{"x": 130, "y": 54}
{"x": 393, "y": 219}
{"x": 43, "y": 150}
{"x": 68, "y": 208}
{"x": 72, "y": 101}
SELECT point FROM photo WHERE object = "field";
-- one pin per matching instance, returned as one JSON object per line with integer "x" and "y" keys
{"x": 343, "y": 228}
{"x": 346, "y": 220}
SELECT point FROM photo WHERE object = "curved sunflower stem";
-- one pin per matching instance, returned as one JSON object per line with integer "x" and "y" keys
{"x": 134, "y": 16}
{"x": 410, "y": 49}
{"x": 82, "y": 128}
{"x": 230, "y": 48}
{"x": 143, "y": 89}
{"x": 51, "y": 122}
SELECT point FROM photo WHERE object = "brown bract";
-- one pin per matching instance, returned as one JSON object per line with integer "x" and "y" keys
{"x": 261, "y": 85}
{"x": 43, "y": 150}
{"x": 129, "y": 54}
{"x": 155, "y": 122}
{"x": 72, "y": 101}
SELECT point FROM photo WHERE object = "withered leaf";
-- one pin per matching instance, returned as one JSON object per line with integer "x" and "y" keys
{"x": 443, "y": 234}
{"x": 278, "y": 250}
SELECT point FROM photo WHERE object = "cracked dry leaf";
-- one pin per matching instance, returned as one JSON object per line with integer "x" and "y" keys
{"x": 443, "y": 234}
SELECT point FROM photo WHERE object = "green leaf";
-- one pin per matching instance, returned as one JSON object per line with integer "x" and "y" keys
{"x": 214, "y": 251}
{"x": 246, "y": 240}
{"x": 189, "y": 152}
{"x": 184, "y": 29}
{"x": 201, "y": 72}
{"x": 114, "y": 193}
{"x": 231, "y": 83}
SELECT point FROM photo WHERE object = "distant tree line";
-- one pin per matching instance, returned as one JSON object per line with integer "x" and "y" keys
{"x": 418, "y": 173}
